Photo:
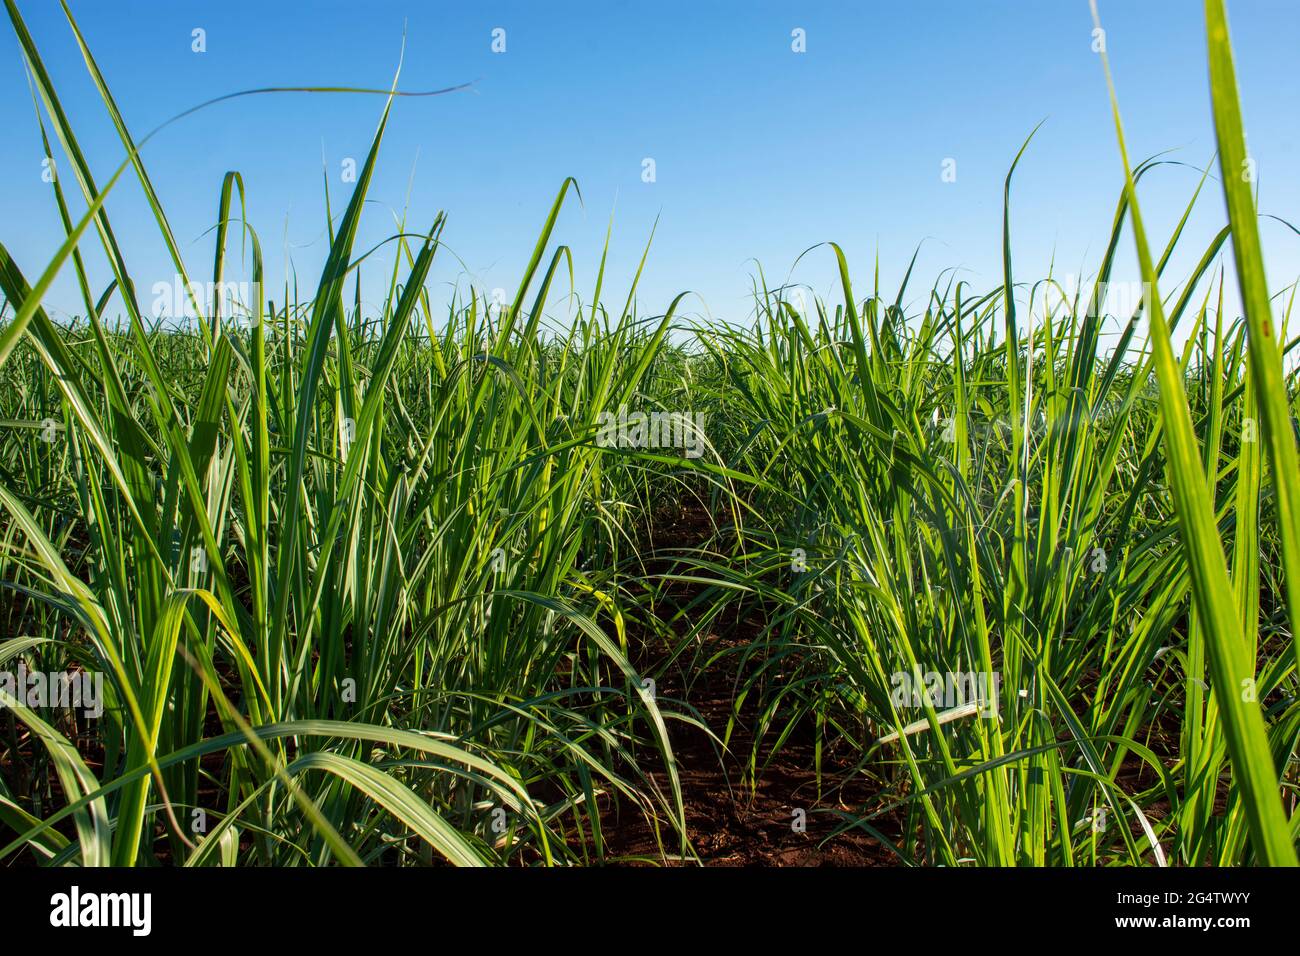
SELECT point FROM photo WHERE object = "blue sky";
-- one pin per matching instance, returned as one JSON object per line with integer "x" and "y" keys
{"x": 760, "y": 152}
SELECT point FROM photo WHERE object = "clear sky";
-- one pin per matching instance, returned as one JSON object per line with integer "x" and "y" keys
{"x": 759, "y": 151}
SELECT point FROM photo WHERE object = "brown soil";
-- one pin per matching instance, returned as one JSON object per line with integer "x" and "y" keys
{"x": 730, "y": 823}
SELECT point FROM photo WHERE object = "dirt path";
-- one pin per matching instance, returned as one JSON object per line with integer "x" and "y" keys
{"x": 729, "y": 824}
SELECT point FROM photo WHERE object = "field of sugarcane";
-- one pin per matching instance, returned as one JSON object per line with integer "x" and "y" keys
{"x": 419, "y": 585}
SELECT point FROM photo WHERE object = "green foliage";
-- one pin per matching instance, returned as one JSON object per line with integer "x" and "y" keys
{"x": 369, "y": 589}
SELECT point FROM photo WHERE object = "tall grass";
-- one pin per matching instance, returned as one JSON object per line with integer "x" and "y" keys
{"x": 366, "y": 588}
